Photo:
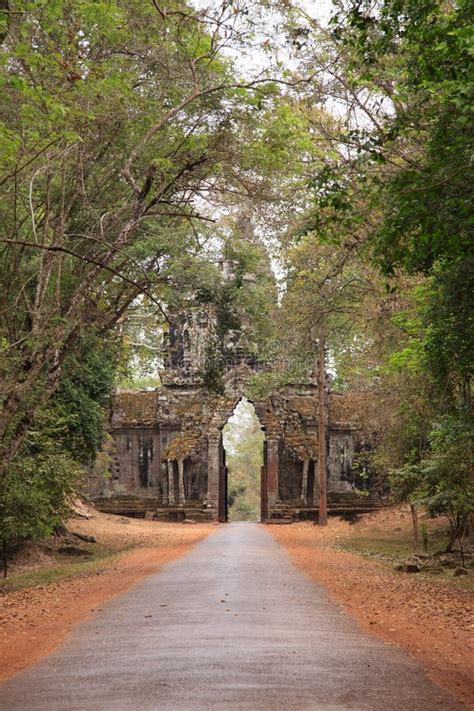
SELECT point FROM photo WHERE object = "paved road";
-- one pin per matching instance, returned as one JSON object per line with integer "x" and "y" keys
{"x": 232, "y": 625}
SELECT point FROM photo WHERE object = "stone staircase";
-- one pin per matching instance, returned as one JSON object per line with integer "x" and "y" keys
{"x": 339, "y": 504}
{"x": 281, "y": 513}
{"x": 352, "y": 502}
{"x": 126, "y": 505}
{"x": 175, "y": 514}
{"x": 137, "y": 506}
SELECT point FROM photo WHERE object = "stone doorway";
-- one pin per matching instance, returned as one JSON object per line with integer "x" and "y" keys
{"x": 242, "y": 485}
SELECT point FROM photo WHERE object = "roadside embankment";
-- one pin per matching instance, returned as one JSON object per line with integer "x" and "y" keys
{"x": 35, "y": 620}
{"x": 428, "y": 615}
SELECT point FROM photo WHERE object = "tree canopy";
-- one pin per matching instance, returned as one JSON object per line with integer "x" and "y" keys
{"x": 139, "y": 150}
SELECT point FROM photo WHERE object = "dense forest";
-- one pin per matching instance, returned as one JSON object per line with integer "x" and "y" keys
{"x": 143, "y": 140}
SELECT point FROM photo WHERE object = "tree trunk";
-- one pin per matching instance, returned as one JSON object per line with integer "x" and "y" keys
{"x": 461, "y": 551}
{"x": 4, "y": 555}
{"x": 322, "y": 477}
{"x": 416, "y": 535}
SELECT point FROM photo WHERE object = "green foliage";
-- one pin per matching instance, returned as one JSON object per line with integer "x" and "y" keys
{"x": 283, "y": 139}
{"x": 214, "y": 369}
{"x": 436, "y": 333}
{"x": 368, "y": 473}
{"x": 398, "y": 193}
{"x": 262, "y": 384}
{"x": 117, "y": 116}
{"x": 35, "y": 490}
{"x": 33, "y": 496}
{"x": 244, "y": 301}
{"x": 447, "y": 472}
{"x": 405, "y": 483}
{"x": 411, "y": 326}
{"x": 441, "y": 481}
{"x": 79, "y": 407}
{"x": 424, "y": 363}
{"x": 224, "y": 296}
{"x": 416, "y": 58}
{"x": 119, "y": 122}
{"x": 395, "y": 191}
{"x": 243, "y": 510}
{"x": 234, "y": 491}
{"x": 326, "y": 285}
{"x": 63, "y": 435}
{"x": 427, "y": 206}
{"x": 449, "y": 342}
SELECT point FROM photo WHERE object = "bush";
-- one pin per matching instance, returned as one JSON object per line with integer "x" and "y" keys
{"x": 447, "y": 487}
{"x": 34, "y": 495}
{"x": 441, "y": 482}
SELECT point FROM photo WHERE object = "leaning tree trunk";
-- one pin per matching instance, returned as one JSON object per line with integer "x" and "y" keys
{"x": 416, "y": 534}
{"x": 322, "y": 478}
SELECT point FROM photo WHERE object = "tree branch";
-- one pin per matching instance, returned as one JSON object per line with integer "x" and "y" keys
{"x": 64, "y": 250}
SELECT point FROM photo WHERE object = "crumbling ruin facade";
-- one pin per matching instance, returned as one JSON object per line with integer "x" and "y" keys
{"x": 168, "y": 453}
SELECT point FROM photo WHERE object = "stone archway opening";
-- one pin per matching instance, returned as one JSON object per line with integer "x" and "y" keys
{"x": 243, "y": 447}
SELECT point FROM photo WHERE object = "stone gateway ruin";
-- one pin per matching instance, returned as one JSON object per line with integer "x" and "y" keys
{"x": 168, "y": 455}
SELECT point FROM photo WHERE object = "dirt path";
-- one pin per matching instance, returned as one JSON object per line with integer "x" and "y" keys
{"x": 33, "y": 622}
{"x": 232, "y": 625}
{"x": 433, "y": 623}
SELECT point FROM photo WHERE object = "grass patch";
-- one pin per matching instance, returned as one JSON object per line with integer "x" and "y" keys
{"x": 464, "y": 582}
{"x": 394, "y": 545}
{"x": 62, "y": 568}
{"x": 378, "y": 546}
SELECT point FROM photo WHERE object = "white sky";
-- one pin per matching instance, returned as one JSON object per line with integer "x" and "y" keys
{"x": 255, "y": 59}
{"x": 241, "y": 421}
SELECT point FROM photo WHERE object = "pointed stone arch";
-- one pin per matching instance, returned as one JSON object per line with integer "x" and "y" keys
{"x": 223, "y": 501}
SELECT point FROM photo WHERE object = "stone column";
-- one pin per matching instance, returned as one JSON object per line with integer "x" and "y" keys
{"x": 272, "y": 471}
{"x": 213, "y": 465}
{"x": 304, "y": 483}
{"x": 181, "y": 493}
{"x": 164, "y": 484}
{"x": 316, "y": 485}
{"x": 171, "y": 491}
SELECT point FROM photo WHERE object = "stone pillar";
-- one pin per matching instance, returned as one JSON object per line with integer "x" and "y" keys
{"x": 164, "y": 484}
{"x": 181, "y": 493}
{"x": 316, "y": 485}
{"x": 213, "y": 467}
{"x": 272, "y": 471}
{"x": 171, "y": 491}
{"x": 304, "y": 483}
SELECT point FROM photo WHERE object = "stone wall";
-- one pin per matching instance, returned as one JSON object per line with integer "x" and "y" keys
{"x": 167, "y": 452}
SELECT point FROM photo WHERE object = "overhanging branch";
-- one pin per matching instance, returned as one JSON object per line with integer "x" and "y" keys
{"x": 90, "y": 260}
